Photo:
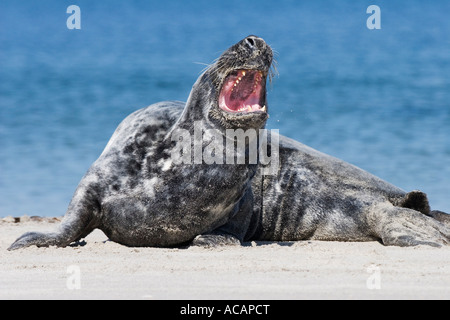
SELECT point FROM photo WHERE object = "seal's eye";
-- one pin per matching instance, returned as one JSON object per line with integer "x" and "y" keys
{"x": 243, "y": 91}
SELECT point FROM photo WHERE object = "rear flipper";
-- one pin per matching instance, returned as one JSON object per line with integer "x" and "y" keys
{"x": 441, "y": 217}
{"x": 406, "y": 227}
{"x": 416, "y": 200}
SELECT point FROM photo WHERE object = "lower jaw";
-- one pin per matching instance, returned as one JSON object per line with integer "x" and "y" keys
{"x": 246, "y": 109}
{"x": 243, "y": 120}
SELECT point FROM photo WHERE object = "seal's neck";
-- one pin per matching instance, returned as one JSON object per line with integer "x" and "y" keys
{"x": 205, "y": 137}
{"x": 201, "y": 99}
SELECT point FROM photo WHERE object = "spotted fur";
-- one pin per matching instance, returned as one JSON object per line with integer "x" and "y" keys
{"x": 139, "y": 197}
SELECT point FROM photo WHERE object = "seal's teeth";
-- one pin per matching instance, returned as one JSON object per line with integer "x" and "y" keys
{"x": 243, "y": 73}
{"x": 263, "y": 109}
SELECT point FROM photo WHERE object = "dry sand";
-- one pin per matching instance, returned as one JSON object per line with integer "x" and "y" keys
{"x": 103, "y": 269}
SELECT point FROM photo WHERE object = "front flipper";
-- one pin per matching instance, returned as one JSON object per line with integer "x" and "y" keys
{"x": 238, "y": 228}
{"x": 78, "y": 222}
{"x": 215, "y": 239}
{"x": 38, "y": 239}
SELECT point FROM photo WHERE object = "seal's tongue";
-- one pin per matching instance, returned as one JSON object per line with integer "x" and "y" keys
{"x": 242, "y": 91}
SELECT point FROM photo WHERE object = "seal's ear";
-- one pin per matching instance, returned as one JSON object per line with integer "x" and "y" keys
{"x": 416, "y": 200}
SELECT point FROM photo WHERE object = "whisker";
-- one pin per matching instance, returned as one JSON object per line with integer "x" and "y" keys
{"x": 202, "y": 63}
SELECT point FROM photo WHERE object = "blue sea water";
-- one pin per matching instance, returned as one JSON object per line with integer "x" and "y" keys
{"x": 379, "y": 99}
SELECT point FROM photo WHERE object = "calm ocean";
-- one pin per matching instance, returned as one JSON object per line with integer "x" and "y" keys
{"x": 379, "y": 99}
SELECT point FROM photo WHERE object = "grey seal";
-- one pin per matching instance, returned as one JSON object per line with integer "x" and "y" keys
{"x": 138, "y": 198}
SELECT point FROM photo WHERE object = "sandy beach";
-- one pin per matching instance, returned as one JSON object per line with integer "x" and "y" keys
{"x": 101, "y": 269}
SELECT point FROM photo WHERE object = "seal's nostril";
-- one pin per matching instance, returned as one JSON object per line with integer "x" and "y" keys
{"x": 250, "y": 41}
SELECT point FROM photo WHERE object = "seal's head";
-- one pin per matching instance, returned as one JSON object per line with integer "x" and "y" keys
{"x": 239, "y": 76}
{"x": 236, "y": 86}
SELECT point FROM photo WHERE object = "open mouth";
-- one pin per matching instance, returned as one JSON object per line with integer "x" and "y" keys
{"x": 243, "y": 91}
